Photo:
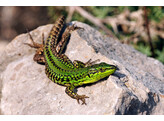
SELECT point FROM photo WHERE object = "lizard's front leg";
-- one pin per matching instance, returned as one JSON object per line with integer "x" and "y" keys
{"x": 79, "y": 64}
{"x": 70, "y": 91}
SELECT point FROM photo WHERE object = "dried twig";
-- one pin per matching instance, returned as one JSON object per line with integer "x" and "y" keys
{"x": 148, "y": 32}
{"x": 132, "y": 23}
{"x": 127, "y": 25}
{"x": 71, "y": 11}
{"x": 94, "y": 20}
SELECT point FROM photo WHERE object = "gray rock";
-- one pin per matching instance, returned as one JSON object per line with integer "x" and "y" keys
{"x": 136, "y": 88}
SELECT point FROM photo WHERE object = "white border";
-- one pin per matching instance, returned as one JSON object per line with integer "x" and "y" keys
{"x": 81, "y": 2}
{"x": 80, "y": 118}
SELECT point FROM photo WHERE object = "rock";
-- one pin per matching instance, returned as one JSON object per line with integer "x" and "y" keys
{"x": 136, "y": 88}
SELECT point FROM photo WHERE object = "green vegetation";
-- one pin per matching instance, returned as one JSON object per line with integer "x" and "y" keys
{"x": 125, "y": 32}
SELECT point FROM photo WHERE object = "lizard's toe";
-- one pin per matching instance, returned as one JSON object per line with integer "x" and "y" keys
{"x": 82, "y": 98}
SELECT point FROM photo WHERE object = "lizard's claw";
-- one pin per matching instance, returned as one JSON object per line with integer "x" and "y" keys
{"x": 82, "y": 98}
{"x": 74, "y": 27}
{"x": 90, "y": 62}
{"x": 77, "y": 27}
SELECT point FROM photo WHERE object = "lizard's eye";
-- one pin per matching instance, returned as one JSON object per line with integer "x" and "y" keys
{"x": 102, "y": 70}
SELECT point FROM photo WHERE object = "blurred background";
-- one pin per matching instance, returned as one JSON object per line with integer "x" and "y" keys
{"x": 140, "y": 27}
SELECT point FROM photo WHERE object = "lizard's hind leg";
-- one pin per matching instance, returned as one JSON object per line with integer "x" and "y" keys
{"x": 39, "y": 55}
{"x": 65, "y": 37}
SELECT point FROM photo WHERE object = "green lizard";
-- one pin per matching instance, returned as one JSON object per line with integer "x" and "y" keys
{"x": 60, "y": 69}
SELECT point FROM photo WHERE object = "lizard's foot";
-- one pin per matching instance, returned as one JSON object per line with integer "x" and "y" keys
{"x": 39, "y": 56}
{"x": 70, "y": 91}
{"x": 82, "y": 98}
{"x": 79, "y": 64}
{"x": 74, "y": 27}
{"x": 34, "y": 44}
{"x": 90, "y": 62}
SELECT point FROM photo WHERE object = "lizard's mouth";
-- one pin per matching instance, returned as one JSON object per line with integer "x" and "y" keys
{"x": 114, "y": 67}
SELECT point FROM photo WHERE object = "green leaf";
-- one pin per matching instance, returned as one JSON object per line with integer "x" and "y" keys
{"x": 160, "y": 55}
{"x": 144, "y": 49}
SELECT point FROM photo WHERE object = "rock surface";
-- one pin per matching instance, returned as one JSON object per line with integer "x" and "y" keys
{"x": 136, "y": 88}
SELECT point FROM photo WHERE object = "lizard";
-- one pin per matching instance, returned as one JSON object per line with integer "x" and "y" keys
{"x": 60, "y": 69}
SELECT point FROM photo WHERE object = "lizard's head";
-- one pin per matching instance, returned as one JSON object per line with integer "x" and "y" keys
{"x": 102, "y": 69}
{"x": 99, "y": 71}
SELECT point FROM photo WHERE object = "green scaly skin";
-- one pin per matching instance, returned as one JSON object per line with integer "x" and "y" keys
{"x": 60, "y": 69}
